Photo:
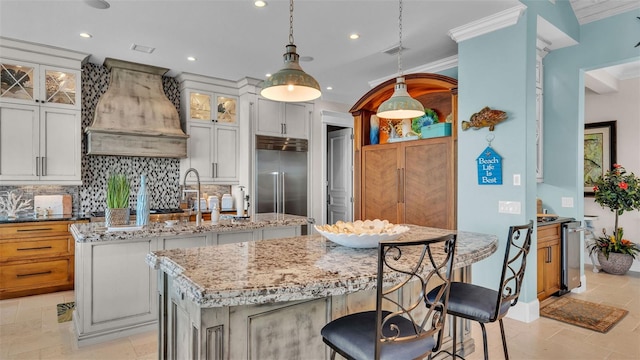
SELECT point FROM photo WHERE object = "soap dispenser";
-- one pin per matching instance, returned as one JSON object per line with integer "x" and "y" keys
{"x": 215, "y": 213}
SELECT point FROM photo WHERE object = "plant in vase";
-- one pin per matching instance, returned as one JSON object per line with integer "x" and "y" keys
{"x": 117, "y": 212}
{"x": 619, "y": 191}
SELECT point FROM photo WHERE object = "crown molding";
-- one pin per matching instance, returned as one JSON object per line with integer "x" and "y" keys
{"x": 488, "y": 24}
{"x": 432, "y": 67}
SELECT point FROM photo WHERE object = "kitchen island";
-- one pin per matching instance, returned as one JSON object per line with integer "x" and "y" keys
{"x": 115, "y": 289}
{"x": 269, "y": 300}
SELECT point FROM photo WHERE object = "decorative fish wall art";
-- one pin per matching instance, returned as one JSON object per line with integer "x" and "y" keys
{"x": 485, "y": 117}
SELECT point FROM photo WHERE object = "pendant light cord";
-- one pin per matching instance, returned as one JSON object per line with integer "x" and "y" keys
{"x": 291, "y": 22}
{"x": 400, "y": 45}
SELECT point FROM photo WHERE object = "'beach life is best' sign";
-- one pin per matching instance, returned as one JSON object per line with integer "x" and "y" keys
{"x": 489, "y": 167}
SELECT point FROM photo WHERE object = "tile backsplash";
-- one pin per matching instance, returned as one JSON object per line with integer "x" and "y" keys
{"x": 163, "y": 174}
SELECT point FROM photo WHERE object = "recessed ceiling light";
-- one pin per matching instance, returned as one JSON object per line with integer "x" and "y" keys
{"x": 260, "y": 3}
{"x": 191, "y": 58}
{"x": 329, "y": 87}
{"x": 267, "y": 75}
{"x": 354, "y": 36}
{"x": 98, "y": 4}
{"x": 86, "y": 35}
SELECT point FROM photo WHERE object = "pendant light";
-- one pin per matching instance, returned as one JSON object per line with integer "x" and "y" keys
{"x": 400, "y": 105}
{"x": 291, "y": 83}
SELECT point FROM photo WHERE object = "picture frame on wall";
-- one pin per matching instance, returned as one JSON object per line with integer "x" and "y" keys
{"x": 599, "y": 151}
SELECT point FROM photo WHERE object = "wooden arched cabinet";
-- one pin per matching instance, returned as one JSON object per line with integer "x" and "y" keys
{"x": 412, "y": 182}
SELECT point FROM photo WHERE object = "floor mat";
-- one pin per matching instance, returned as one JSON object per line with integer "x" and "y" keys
{"x": 65, "y": 311}
{"x": 582, "y": 313}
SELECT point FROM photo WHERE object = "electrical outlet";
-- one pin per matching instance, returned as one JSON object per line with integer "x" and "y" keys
{"x": 567, "y": 202}
{"x": 509, "y": 207}
{"x": 516, "y": 179}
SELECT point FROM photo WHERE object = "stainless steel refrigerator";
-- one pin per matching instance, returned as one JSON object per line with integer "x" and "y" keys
{"x": 281, "y": 175}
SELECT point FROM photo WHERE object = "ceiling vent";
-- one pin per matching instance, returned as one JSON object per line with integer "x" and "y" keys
{"x": 142, "y": 48}
{"x": 393, "y": 50}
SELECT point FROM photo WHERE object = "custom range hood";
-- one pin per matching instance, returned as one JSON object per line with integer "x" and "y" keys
{"x": 134, "y": 117}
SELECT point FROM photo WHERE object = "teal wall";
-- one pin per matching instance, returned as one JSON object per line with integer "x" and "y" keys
{"x": 452, "y": 73}
{"x": 603, "y": 43}
{"x": 498, "y": 70}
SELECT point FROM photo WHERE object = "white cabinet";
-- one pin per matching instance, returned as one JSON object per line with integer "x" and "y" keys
{"x": 234, "y": 237}
{"x": 212, "y": 123}
{"x": 115, "y": 289}
{"x": 277, "y": 232}
{"x": 39, "y": 144}
{"x": 283, "y": 119}
{"x": 40, "y": 121}
{"x": 212, "y": 149}
{"x": 28, "y": 83}
{"x": 208, "y": 106}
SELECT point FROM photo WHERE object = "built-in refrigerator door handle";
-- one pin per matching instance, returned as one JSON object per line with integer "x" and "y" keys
{"x": 576, "y": 229}
{"x": 283, "y": 197}
{"x": 276, "y": 179}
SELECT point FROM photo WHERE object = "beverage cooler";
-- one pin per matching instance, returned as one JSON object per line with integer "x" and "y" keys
{"x": 571, "y": 251}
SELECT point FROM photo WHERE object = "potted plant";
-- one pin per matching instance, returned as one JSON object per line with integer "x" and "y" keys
{"x": 620, "y": 192}
{"x": 117, "y": 212}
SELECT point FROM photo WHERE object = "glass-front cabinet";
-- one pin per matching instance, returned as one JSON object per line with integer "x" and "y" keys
{"x": 28, "y": 83}
{"x": 213, "y": 107}
{"x": 19, "y": 81}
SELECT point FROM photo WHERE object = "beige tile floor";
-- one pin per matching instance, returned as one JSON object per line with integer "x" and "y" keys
{"x": 29, "y": 330}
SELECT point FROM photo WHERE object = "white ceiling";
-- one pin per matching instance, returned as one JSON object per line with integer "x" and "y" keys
{"x": 233, "y": 39}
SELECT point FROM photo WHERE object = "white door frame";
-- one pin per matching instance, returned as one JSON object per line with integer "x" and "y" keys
{"x": 336, "y": 119}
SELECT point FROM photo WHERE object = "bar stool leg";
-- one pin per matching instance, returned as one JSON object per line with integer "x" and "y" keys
{"x": 484, "y": 341}
{"x": 504, "y": 341}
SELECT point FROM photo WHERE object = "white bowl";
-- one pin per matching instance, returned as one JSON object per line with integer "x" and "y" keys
{"x": 170, "y": 223}
{"x": 362, "y": 241}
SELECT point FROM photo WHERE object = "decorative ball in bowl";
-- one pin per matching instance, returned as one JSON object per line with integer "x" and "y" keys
{"x": 361, "y": 234}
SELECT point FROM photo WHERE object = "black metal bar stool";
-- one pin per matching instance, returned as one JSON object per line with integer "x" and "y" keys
{"x": 397, "y": 330}
{"x": 477, "y": 303}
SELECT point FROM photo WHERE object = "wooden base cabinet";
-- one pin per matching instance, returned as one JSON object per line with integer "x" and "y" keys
{"x": 35, "y": 258}
{"x": 548, "y": 260}
{"x": 409, "y": 182}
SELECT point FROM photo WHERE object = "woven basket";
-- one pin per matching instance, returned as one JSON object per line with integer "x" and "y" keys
{"x": 115, "y": 217}
{"x": 617, "y": 264}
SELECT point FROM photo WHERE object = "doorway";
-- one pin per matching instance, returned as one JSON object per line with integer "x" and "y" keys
{"x": 337, "y": 174}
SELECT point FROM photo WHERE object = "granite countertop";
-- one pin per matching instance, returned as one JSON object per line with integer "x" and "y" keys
{"x": 31, "y": 218}
{"x": 96, "y": 231}
{"x": 556, "y": 221}
{"x": 289, "y": 269}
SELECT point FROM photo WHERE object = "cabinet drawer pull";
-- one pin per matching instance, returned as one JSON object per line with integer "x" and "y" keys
{"x": 38, "y": 229}
{"x": 35, "y": 248}
{"x": 34, "y": 274}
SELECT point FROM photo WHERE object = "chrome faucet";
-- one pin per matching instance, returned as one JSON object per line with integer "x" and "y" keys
{"x": 185, "y": 191}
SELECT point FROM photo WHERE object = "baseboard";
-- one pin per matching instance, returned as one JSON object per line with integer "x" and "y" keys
{"x": 525, "y": 312}
{"x": 583, "y": 285}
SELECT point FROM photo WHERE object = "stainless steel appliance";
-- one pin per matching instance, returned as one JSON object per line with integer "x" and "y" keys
{"x": 281, "y": 175}
{"x": 570, "y": 249}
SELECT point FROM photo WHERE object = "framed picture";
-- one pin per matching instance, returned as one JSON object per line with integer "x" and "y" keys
{"x": 599, "y": 151}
